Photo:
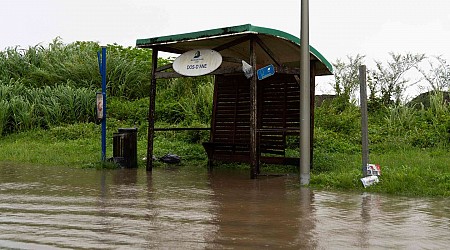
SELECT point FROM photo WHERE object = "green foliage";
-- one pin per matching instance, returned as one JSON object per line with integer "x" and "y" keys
{"x": 74, "y": 145}
{"x": 170, "y": 142}
{"x": 329, "y": 141}
{"x": 73, "y": 132}
{"x": 25, "y": 108}
{"x": 425, "y": 127}
{"x": 433, "y": 124}
{"x": 388, "y": 83}
{"x": 187, "y": 100}
{"x": 438, "y": 76}
{"x": 414, "y": 172}
{"x": 338, "y": 116}
{"x": 409, "y": 171}
{"x": 4, "y": 112}
{"x": 76, "y": 64}
{"x": 400, "y": 119}
{"x": 39, "y": 66}
{"x": 135, "y": 112}
{"x": 346, "y": 76}
{"x": 424, "y": 100}
{"x": 195, "y": 136}
{"x": 396, "y": 127}
{"x": 128, "y": 71}
{"x": 169, "y": 111}
{"x": 44, "y": 86}
{"x": 53, "y": 88}
{"x": 324, "y": 161}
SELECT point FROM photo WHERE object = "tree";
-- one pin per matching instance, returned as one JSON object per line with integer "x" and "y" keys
{"x": 439, "y": 74}
{"x": 346, "y": 75}
{"x": 389, "y": 81}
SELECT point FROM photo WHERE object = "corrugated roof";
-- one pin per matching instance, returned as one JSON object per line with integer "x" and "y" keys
{"x": 233, "y": 42}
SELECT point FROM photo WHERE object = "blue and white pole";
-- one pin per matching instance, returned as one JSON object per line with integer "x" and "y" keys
{"x": 102, "y": 67}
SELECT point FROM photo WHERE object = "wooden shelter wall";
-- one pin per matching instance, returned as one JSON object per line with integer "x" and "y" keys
{"x": 231, "y": 118}
{"x": 278, "y": 112}
{"x": 278, "y": 116}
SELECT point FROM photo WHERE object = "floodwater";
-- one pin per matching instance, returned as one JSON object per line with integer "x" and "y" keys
{"x": 182, "y": 208}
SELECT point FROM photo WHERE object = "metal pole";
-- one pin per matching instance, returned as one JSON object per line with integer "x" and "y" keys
{"x": 364, "y": 119}
{"x": 312, "y": 105}
{"x": 103, "y": 73}
{"x": 305, "y": 96}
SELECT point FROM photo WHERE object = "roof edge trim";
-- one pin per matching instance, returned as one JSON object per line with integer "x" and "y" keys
{"x": 246, "y": 28}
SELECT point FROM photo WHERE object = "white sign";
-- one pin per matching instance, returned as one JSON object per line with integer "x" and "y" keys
{"x": 197, "y": 62}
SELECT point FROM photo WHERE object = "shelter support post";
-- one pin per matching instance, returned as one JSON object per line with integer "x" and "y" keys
{"x": 305, "y": 96}
{"x": 151, "y": 112}
{"x": 213, "y": 122}
{"x": 254, "y": 159}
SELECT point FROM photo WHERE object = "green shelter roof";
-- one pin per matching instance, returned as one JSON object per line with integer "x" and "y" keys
{"x": 233, "y": 42}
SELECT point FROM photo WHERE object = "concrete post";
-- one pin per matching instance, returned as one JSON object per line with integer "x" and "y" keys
{"x": 305, "y": 96}
{"x": 364, "y": 119}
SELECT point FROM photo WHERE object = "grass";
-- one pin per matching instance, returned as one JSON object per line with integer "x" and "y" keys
{"x": 78, "y": 145}
{"x": 415, "y": 172}
{"x": 55, "y": 147}
{"x": 25, "y": 108}
{"x": 406, "y": 171}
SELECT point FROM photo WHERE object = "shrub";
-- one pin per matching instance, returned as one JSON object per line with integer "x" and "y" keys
{"x": 338, "y": 118}
{"x": 134, "y": 112}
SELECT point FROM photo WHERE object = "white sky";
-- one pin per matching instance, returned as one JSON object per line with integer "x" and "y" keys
{"x": 337, "y": 27}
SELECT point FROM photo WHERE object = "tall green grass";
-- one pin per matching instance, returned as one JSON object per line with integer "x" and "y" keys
{"x": 425, "y": 127}
{"x": 22, "y": 108}
{"x": 76, "y": 64}
{"x": 46, "y": 86}
{"x": 185, "y": 100}
{"x": 4, "y": 112}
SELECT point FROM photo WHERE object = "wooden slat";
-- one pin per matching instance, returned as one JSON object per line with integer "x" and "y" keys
{"x": 279, "y": 108}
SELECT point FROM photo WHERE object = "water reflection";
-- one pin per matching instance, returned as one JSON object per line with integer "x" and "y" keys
{"x": 364, "y": 233}
{"x": 307, "y": 219}
{"x": 189, "y": 208}
{"x": 260, "y": 213}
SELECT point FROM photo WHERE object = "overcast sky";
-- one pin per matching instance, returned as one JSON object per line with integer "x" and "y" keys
{"x": 337, "y": 27}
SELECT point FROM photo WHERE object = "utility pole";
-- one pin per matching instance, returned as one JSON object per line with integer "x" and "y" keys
{"x": 305, "y": 96}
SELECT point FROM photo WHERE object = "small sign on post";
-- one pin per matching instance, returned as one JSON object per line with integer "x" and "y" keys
{"x": 265, "y": 72}
{"x": 99, "y": 106}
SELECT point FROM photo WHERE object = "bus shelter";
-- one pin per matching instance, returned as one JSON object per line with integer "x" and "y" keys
{"x": 256, "y": 104}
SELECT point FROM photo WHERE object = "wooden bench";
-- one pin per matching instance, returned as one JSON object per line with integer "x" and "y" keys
{"x": 238, "y": 152}
{"x": 227, "y": 152}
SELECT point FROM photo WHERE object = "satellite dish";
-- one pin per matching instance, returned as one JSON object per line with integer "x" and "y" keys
{"x": 197, "y": 62}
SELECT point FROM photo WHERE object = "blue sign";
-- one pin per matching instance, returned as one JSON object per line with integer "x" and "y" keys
{"x": 265, "y": 72}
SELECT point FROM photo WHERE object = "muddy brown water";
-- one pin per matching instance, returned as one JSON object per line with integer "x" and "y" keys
{"x": 64, "y": 208}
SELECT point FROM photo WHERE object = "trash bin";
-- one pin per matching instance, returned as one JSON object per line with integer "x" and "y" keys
{"x": 125, "y": 147}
